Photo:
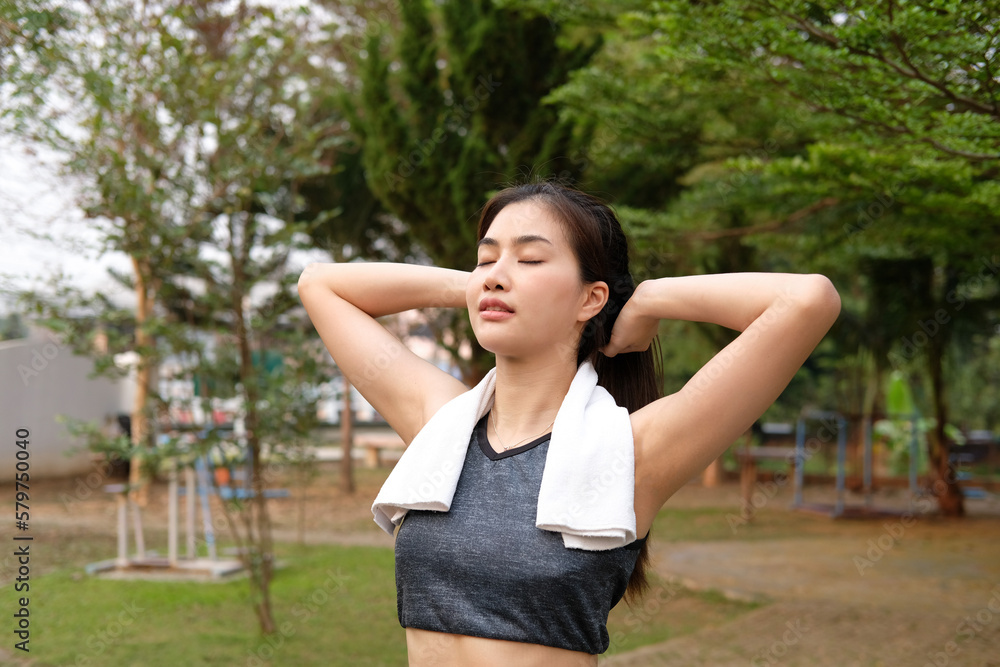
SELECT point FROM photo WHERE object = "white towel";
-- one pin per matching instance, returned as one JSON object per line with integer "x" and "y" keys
{"x": 588, "y": 483}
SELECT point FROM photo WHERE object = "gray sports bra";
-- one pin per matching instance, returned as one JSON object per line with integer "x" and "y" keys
{"x": 483, "y": 568}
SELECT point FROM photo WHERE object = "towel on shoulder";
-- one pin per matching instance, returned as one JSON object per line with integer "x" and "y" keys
{"x": 588, "y": 483}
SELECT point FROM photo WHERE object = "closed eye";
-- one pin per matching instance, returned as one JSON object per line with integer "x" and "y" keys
{"x": 523, "y": 261}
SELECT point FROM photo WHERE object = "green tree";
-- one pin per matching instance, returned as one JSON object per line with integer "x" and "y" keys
{"x": 918, "y": 84}
{"x": 189, "y": 126}
{"x": 449, "y": 110}
{"x": 833, "y": 134}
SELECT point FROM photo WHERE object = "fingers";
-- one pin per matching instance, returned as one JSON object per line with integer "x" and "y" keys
{"x": 611, "y": 350}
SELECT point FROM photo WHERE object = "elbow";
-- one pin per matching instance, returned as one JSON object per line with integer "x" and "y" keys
{"x": 820, "y": 297}
{"x": 306, "y": 276}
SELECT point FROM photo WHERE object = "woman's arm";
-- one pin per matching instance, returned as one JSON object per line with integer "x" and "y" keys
{"x": 782, "y": 318}
{"x": 384, "y": 288}
{"x": 732, "y": 300}
{"x": 343, "y": 301}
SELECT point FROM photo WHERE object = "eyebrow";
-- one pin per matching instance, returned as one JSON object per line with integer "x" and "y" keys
{"x": 520, "y": 240}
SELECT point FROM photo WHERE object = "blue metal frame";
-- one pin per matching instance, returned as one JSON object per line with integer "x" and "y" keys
{"x": 800, "y": 455}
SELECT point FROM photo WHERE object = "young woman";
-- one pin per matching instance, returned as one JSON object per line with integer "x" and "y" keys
{"x": 550, "y": 290}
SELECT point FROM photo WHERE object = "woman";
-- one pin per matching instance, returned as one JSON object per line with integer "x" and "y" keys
{"x": 550, "y": 291}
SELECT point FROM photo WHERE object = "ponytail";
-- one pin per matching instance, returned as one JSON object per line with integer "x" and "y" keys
{"x": 634, "y": 379}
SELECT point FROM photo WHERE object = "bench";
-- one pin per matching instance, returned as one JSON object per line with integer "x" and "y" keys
{"x": 748, "y": 458}
{"x": 375, "y": 443}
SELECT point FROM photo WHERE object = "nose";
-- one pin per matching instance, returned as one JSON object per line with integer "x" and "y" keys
{"x": 496, "y": 277}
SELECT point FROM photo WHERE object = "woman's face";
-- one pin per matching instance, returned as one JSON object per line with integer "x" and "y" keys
{"x": 526, "y": 263}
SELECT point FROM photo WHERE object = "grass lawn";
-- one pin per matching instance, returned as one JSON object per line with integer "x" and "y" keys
{"x": 334, "y": 605}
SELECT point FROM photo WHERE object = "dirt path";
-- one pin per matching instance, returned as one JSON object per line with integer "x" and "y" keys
{"x": 879, "y": 593}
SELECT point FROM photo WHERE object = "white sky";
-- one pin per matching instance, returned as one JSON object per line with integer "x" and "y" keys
{"x": 42, "y": 231}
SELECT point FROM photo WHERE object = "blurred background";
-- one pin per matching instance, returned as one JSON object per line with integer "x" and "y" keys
{"x": 168, "y": 169}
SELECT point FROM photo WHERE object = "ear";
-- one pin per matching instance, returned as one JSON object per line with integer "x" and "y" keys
{"x": 595, "y": 296}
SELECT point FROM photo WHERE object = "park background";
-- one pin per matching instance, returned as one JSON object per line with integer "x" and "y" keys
{"x": 209, "y": 150}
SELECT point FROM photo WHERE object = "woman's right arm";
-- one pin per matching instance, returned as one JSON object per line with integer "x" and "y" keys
{"x": 343, "y": 300}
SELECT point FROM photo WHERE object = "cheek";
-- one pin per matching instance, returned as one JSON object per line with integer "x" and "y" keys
{"x": 559, "y": 298}
{"x": 471, "y": 300}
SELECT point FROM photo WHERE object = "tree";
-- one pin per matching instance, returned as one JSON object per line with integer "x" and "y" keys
{"x": 900, "y": 151}
{"x": 189, "y": 126}
{"x": 918, "y": 84}
{"x": 448, "y": 111}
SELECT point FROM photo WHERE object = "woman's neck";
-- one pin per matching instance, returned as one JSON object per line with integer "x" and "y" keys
{"x": 528, "y": 394}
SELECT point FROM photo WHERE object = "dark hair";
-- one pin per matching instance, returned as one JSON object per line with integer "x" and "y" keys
{"x": 634, "y": 379}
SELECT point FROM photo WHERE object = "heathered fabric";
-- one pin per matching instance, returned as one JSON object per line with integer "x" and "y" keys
{"x": 483, "y": 568}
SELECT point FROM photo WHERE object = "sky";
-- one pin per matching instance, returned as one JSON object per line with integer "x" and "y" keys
{"x": 42, "y": 231}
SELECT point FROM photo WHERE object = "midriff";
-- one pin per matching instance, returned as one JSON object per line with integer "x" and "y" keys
{"x": 427, "y": 648}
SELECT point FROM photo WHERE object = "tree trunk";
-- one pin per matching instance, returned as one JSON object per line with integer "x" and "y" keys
{"x": 140, "y": 425}
{"x": 945, "y": 485}
{"x": 259, "y": 554}
{"x": 347, "y": 440}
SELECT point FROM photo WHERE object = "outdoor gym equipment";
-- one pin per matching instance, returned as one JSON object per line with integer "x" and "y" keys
{"x": 804, "y": 451}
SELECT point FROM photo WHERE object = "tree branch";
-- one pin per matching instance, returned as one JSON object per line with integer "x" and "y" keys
{"x": 775, "y": 226}
{"x": 817, "y": 106}
{"x": 912, "y": 73}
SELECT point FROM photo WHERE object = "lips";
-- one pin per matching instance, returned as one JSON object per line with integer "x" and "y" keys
{"x": 492, "y": 309}
{"x": 494, "y": 305}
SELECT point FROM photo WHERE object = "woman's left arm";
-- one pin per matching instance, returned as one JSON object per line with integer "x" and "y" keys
{"x": 782, "y": 317}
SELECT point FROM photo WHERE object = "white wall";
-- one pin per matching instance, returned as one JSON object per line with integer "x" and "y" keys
{"x": 40, "y": 378}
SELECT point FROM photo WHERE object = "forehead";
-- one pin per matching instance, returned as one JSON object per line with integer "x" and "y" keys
{"x": 521, "y": 224}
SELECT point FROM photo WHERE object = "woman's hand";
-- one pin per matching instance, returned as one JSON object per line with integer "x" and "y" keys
{"x": 634, "y": 330}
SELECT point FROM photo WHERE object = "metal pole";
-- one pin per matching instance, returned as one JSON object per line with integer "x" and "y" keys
{"x": 204, "y": 488}
{"x": 189, "y": 484}
{"x": 914, "y": 447}
{"x": 841, "y": 464}
{"x": 868, "y": 461}
{"x": 140, "y": 543}
{"x": 172, "y": 516}
{"x": 122, "y": 529}
{"x": 800, "y": 441}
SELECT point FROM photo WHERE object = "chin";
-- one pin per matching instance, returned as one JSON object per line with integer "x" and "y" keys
{"x": 497, "y": 344}
{"x": 508, "y": 346}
